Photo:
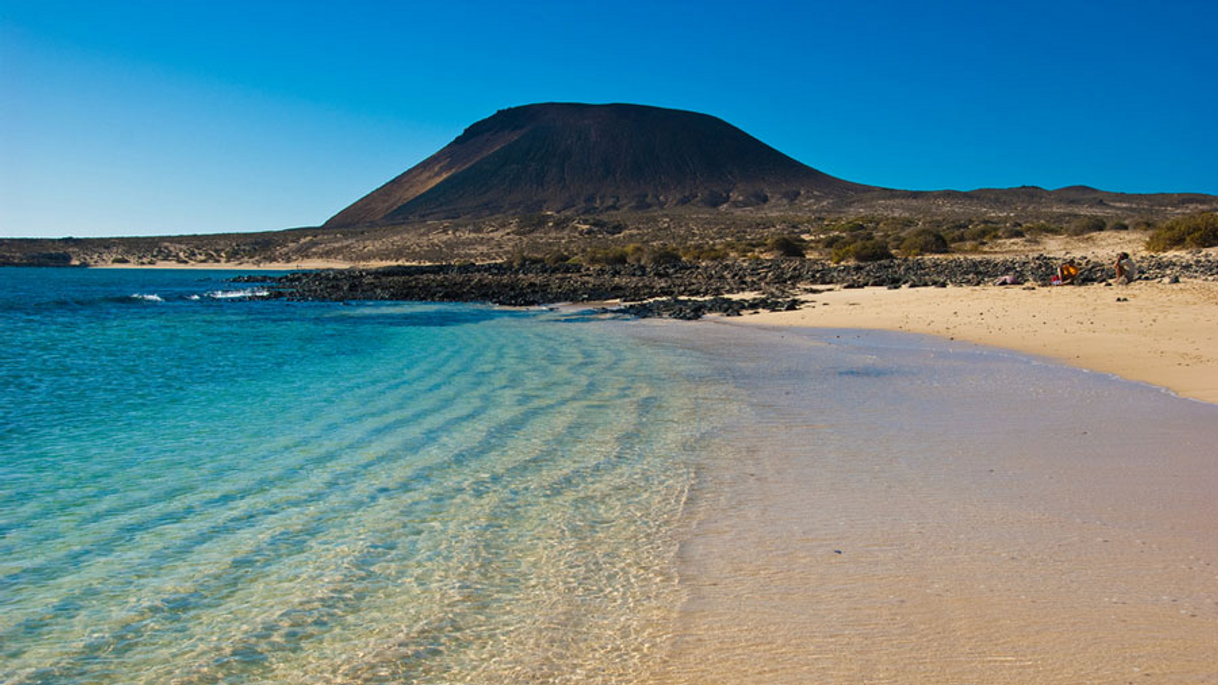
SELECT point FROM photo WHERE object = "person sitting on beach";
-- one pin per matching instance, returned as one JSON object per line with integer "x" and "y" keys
{"x": 1066, "y": 273}
{"x": 1126, "y": 272}
{"x": 1009, "y": 279}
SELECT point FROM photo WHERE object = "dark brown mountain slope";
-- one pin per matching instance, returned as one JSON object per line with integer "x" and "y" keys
{"x": 577, "y": 157}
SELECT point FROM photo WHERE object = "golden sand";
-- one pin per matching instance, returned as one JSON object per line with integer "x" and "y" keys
{"x": 1046, "y": 544}
{"x": 1158, "y": 333}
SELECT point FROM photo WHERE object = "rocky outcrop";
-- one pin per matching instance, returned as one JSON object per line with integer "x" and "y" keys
{"x": 690, "y": 290}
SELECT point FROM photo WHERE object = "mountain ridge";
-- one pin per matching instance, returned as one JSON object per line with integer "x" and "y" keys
{"x": 577, "y": 158}
{"x": 592, "y": 158}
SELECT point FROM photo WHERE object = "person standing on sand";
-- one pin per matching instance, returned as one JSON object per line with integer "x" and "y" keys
{"x": 1126, "y": 272}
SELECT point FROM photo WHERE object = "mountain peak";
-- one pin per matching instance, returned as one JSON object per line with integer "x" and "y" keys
{"x": 587, "y": 158}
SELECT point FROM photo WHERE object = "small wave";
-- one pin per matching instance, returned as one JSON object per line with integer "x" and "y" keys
{"x": 234, "y": 294}
{"x": 147, "y": 297}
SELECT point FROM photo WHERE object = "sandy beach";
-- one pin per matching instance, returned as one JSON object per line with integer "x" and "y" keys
{"x": 998, "y": 521}
{"x": 1157, "y": 333}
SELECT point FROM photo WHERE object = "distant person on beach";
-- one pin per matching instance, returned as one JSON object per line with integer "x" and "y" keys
{"x": 1126, "y": 272}
{"x": 1009, "y": 279}
{"x": 1066, "y": 273}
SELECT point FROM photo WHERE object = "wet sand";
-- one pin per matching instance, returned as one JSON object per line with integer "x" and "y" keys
{"x": 907, "y": 510}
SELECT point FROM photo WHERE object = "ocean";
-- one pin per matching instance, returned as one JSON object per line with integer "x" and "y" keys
{"x": 196, "y": 487}
{"x": 199, "y": 485}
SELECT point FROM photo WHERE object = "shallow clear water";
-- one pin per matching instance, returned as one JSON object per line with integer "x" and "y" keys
{"x": 199, "y": 489}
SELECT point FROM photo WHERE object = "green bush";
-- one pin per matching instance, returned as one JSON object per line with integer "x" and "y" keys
{"x": 704, "y": 253}
{"x": 606, "y": 256}
{"x": 661, "y": 255}
{"x": 923, "y": 241}
{"x": 981, "y": 233}
{"x": 633, "y": 253}
{"x": 557, "y": 257}
{"x": 1042, "y": 228}
{"x": 1197, "y": 230}
{"x": 832, "y": 241}
{"x": 786, "y": 246}
{"x": 862, "y": 251}
{"x": 1085, "y": 225}
{"x": 851, "y": 226}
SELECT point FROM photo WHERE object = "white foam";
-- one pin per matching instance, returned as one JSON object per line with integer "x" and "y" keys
{"x": 147, "y": 297}
{"x": 233, "y": 294}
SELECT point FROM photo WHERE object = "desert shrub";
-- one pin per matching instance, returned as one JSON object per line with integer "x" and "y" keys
{"x": 1042, "y": 228}
{"x": 870, "y": 251}
{"x": 851, "y": 226}
{"x": 704, "y": 253}
{"x": 557, "y": 257}
{"x": 832, "y": 241}
{"x": 606, "y": 256}
{"x": 863, "y": 251}
{"x": 661, "y": 255}
{"x": 521, "y": 258}
{"x": 786, "y": 246}
{"x": 1085, "y": 225}
{"x": 633, "y": 253}
{"x": 1008, "y": 232}
{"x": 923, "y": 241}
{"x": 981, "y": 233}
{"x": 1195, "y": 231}
{"x": 120, "y": 260}
{"x": 1118, "y": 226}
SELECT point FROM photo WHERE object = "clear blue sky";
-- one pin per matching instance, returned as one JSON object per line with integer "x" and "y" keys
{"x": 138, "y": 118}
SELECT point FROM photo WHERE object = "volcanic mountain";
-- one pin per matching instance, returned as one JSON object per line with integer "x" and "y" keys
{"x": 587, "y": 158}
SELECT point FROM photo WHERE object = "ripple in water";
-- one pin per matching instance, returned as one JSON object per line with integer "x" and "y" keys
{"x": 272, "y": 492}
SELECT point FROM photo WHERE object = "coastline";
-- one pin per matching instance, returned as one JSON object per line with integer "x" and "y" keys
{"x": 303, "y": 265}
{"x": 1162, "y": 334}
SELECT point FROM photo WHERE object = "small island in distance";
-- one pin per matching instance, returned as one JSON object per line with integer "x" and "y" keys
{"x": 591, "y": 183}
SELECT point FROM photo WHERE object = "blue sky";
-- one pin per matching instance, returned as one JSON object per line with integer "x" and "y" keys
{"x": 142, "y": 118}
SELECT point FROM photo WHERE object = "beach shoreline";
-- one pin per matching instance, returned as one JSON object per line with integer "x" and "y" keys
{"x": 302, "y": 265}
{"x": 1163, "y": 334}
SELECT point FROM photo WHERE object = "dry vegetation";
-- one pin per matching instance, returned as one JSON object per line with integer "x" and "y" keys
{"x": 619, "y": 238}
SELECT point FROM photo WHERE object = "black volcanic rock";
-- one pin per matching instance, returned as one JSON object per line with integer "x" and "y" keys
{"x": 577, "y": 157}
{"x": 690, "y": 290}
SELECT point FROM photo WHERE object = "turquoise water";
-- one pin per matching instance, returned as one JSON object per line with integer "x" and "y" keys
{"x": 196, "y": 488}
{"x": 201, "y": 488}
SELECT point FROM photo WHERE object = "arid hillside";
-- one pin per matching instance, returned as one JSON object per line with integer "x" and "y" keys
{"x": 569, "y": 181}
